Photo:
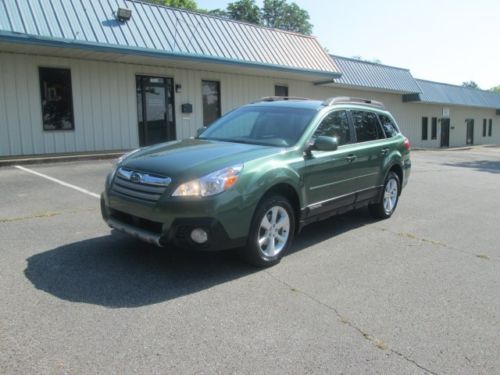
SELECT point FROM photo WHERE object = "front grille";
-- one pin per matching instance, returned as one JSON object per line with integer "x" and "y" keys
{"x": 139, "y": 185}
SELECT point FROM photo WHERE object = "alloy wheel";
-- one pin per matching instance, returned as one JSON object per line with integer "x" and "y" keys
{"x": 274, "y": 231}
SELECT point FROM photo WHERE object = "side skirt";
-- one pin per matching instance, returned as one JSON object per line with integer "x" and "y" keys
{"x": 339, "y": 205}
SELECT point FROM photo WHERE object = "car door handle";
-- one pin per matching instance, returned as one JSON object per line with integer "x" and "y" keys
{"x": 350, "y": 158}
{"x": 384, "y": 151}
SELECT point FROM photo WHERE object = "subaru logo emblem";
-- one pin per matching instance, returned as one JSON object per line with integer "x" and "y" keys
{"x": 136, "y": 177}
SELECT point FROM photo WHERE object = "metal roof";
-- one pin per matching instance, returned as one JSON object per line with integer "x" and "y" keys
{"x": 443, "y": 93}
{"x": 368, "y": 75}
{"x": 161, "y": 31}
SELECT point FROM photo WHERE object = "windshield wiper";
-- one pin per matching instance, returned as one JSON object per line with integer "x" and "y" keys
{"x": 231, "y": 140}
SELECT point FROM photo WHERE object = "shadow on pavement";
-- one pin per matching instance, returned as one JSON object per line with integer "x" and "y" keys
{"x": 116, "y": 271}
{"x": 479, "y": 165}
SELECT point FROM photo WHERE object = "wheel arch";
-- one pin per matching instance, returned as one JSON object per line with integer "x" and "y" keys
{"x": 288, "y": 191}
{"x": 396, "y": 168}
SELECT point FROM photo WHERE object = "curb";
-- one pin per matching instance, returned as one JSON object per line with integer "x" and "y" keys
{"x": 457, "y": 148}
{"x": 40, "y": 159}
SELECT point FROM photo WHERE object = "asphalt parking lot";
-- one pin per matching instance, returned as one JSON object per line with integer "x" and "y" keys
{"x": 418, "y": 293}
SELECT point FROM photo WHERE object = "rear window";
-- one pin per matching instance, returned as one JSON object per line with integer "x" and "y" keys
{"x": 390, "y": 128}
{"x": 366, "y": 126}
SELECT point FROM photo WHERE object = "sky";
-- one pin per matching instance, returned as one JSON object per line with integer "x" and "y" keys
{"x": 438, "y": 40}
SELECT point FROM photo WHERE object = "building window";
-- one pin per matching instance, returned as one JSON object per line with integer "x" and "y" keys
{"x": 280, "y": 90}
{"x": 469, "y": 139}
{"x": 434, "y": 128}
{"x": 425, "y": 125}
{"x": 211, "y": 101}
{"x": 490, "y": 128}
{"x": 484, "y": 127}
{"x": 57, "y": 99}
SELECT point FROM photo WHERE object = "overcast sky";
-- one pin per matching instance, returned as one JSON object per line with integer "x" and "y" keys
{"x": 441, "y": 40}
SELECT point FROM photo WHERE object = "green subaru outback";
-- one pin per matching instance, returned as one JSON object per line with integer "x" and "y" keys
{"x": 260, "y": 173}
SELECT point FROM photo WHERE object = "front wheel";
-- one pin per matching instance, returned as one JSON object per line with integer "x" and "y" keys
{"x": 389, "y": 200}
{"x": 271, "y": 232}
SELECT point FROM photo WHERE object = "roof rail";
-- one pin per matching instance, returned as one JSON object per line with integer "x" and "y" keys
{"x": 277, "y": 98}
{"x": 347, "y": 99}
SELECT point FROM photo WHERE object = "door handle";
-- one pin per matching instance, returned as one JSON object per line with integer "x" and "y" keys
{"x": 350, "y": 158}
{"x": 384, "y": 151}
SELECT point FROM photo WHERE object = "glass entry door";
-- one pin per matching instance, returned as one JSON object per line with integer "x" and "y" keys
{"x": 470, "y": 132}
{"x": 155, "y": 109}
{"x": 445, "y": 132}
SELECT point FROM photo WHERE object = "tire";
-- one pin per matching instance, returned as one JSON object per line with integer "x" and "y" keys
{"x": 389, "y": 198}
{"x": 271, "y": 232}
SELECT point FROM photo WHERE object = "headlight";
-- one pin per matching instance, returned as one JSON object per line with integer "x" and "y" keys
{"x": 211, "y": 184}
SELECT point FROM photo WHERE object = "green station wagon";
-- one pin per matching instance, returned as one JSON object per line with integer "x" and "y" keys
{"x": 260, "y": 173}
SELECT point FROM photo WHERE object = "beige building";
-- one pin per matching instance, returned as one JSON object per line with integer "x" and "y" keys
{"x": 86, "y": 78}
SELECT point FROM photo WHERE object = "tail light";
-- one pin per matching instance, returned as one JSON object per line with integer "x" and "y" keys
{"x": 407, "y": 144}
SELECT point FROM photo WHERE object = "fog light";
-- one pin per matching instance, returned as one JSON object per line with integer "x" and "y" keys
{"x": 199, "y": 235}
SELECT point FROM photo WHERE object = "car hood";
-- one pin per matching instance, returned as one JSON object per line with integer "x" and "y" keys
{"x": 193, "y": 158}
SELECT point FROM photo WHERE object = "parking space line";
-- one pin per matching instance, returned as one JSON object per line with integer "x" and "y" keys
{"x": 57, "y": 181}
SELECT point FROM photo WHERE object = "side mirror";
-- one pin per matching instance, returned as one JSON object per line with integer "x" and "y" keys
{"x": 200, "y": 130}
{"x": 324, "y": 143}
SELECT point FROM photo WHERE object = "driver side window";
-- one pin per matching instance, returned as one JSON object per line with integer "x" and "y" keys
{"x": 335, "y": 124}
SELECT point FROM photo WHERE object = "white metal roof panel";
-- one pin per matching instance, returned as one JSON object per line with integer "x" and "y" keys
{"x": 443, "y": 93}
{"x": 370, "y": 75}
{"x": 161, "y": 30}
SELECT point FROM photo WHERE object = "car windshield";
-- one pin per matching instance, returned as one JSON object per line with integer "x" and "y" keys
{"x": 270, "y": 126}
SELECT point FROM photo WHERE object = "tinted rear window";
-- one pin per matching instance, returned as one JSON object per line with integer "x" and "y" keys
{"x": 389, "y": 126}
{"x": 366, "y": 126}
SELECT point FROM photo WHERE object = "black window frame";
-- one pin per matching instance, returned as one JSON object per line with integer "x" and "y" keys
{"x": 490, "y": 127}
{"x": 219, "y": 102}
{"x": 277, "y": 87}
{"x": 42, "y": 70}
{"x": 434, "y": 125}
{"x": 425, "y": 128}
{"x": 484, "y": 127}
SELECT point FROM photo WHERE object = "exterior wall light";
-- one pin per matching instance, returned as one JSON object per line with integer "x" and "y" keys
{"x": 123, "y": 14}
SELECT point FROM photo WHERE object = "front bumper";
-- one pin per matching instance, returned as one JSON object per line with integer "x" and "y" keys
{"x": 163, "y": 228}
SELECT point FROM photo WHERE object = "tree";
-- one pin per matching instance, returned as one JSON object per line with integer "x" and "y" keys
{"x": 281, "y": 15}
{"x": 375, "y": 60}
{"x": 496, "y": 89}
{"x": 183, "y": 4}
{"x": 244, "y": 10}
{"x": 470, "y": 84}
{"x": 278, "y": 14}
{"x": 215, "y": 12}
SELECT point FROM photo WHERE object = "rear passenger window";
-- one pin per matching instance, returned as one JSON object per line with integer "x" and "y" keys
{"x": 366, "y": 126}
{"x": 389, "y": 126}
{"x": 336, "y": 125}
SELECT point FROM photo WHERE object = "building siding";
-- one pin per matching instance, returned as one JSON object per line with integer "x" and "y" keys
{"x": 105, "y": 108}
